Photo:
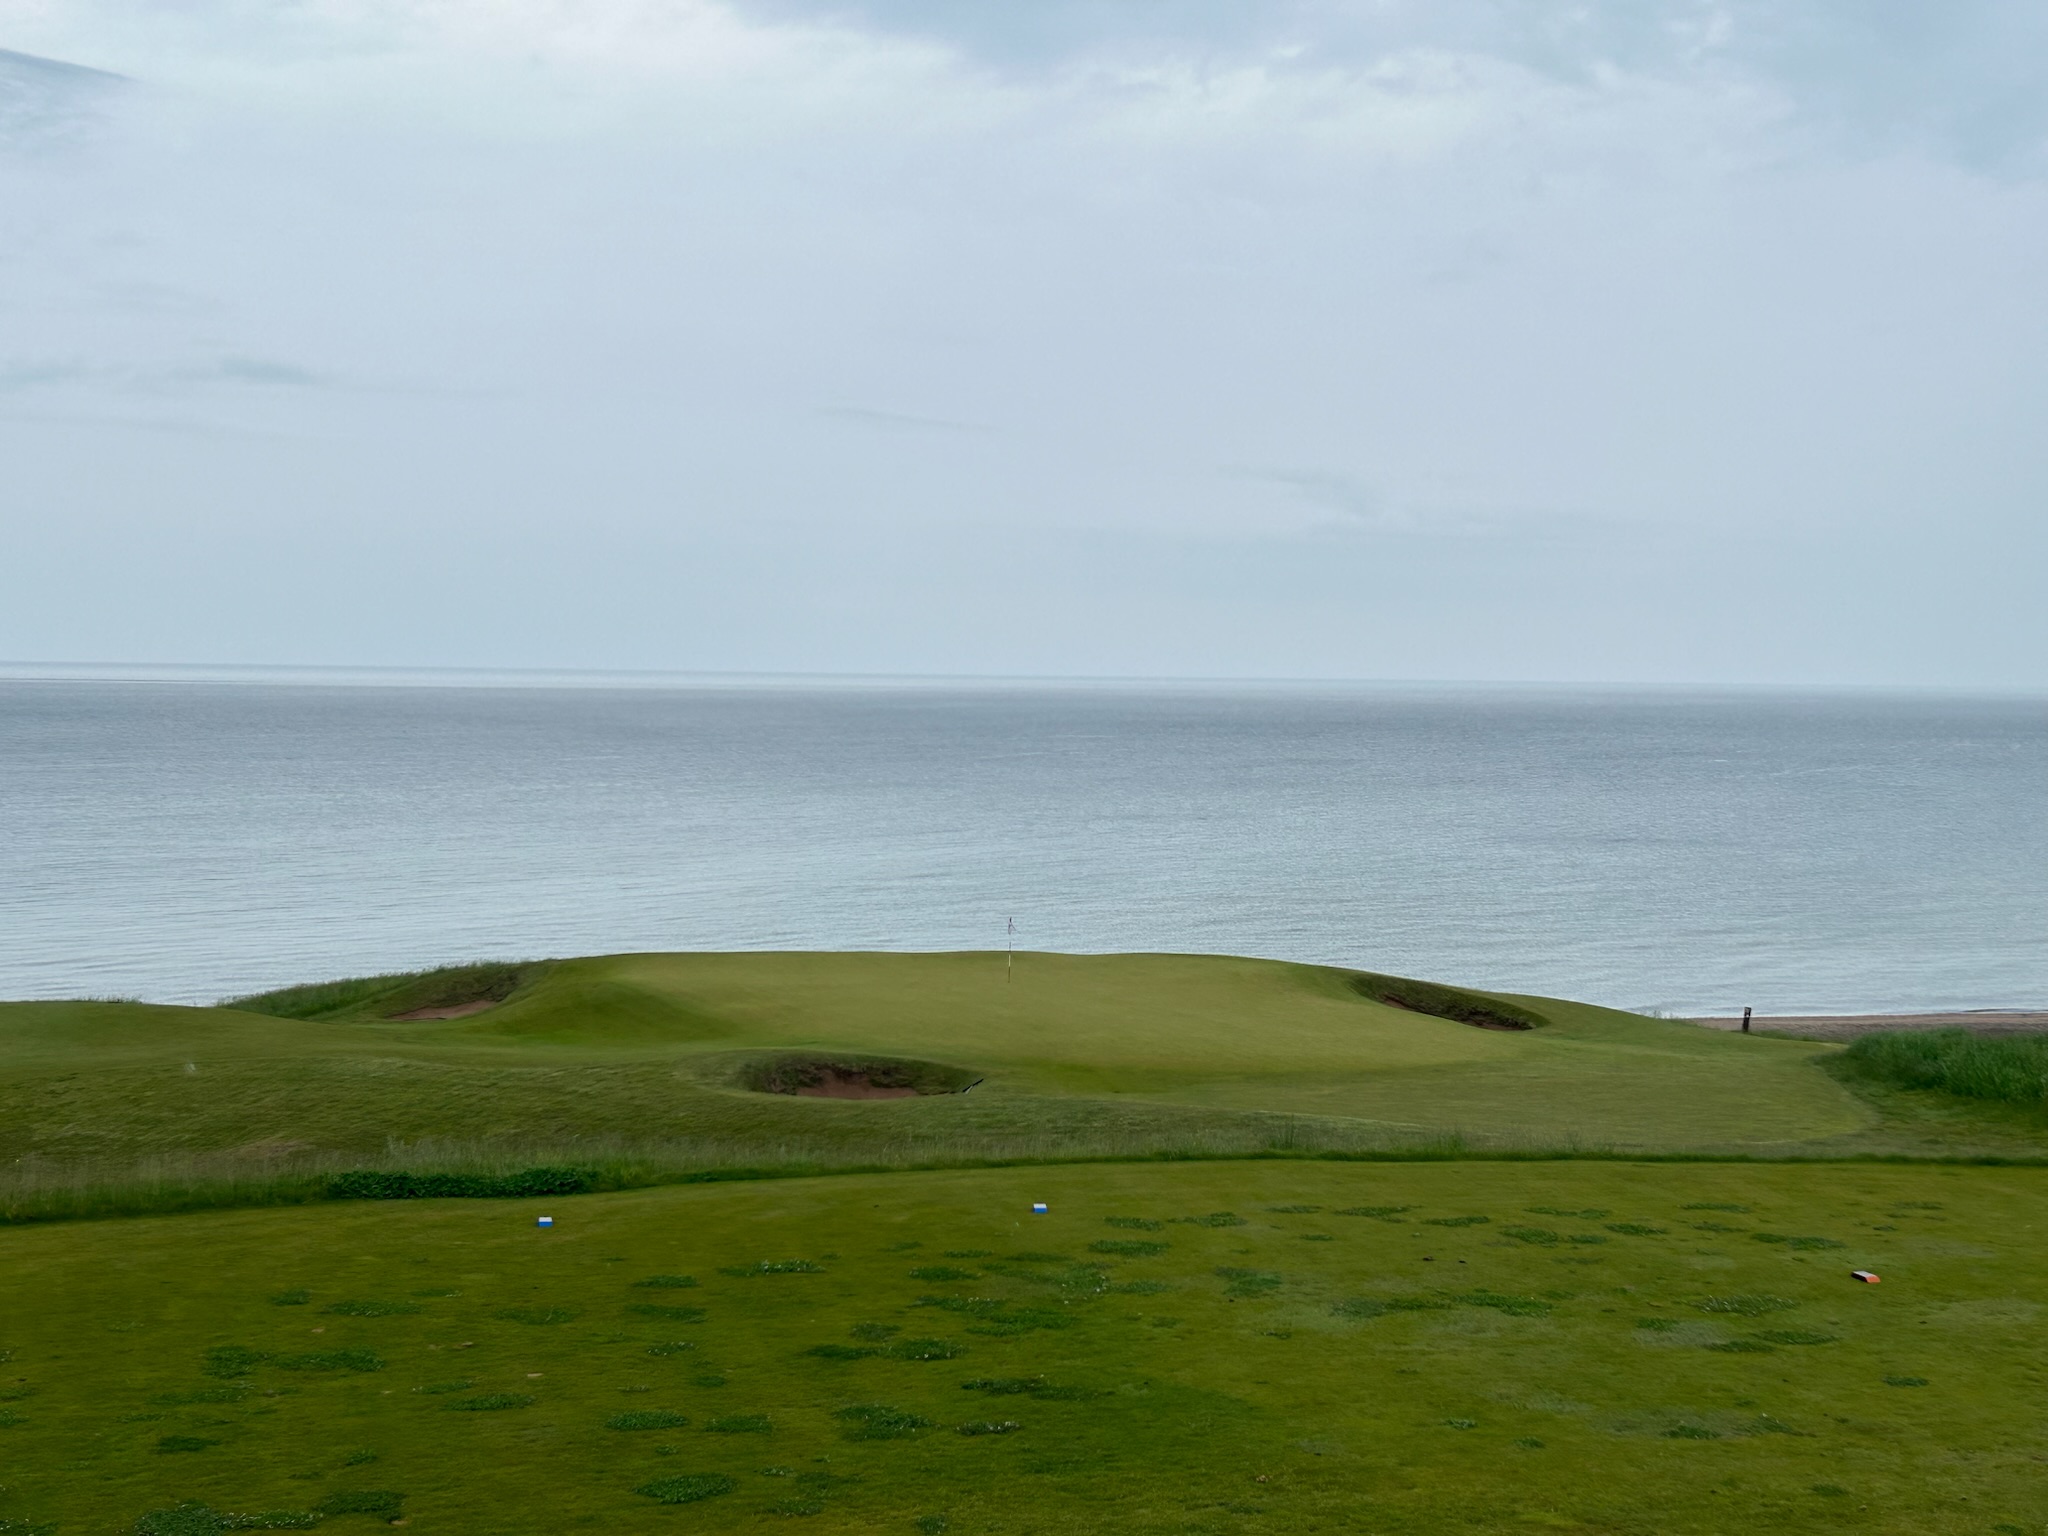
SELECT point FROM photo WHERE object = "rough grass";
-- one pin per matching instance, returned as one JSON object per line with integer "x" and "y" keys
{"x": 2010, "y": 1070}
{"x": 453, "y": 986}
{"x": 1364, "y": 1357}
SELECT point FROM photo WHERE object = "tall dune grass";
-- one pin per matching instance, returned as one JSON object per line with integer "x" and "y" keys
{"x": 2011, "y": 1070}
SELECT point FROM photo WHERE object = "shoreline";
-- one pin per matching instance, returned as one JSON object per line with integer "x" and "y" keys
{"x": 1989, "y": 1022}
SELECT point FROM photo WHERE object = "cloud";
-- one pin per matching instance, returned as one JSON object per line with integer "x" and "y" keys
{"x": 1442, "y": 283}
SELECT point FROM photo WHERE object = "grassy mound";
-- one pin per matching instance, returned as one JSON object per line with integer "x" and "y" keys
{"x": 1285, "y": 1347}
{"x": 420, "y": 993}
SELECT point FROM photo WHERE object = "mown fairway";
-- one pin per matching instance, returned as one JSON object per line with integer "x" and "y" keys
{"x": 1369, "y": 1347}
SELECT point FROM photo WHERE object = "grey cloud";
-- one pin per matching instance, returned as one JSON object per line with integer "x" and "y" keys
{"x": 46, "y": 100}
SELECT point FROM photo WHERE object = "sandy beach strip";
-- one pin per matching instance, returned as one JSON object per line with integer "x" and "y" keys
{"x": 1847, "y": 1026}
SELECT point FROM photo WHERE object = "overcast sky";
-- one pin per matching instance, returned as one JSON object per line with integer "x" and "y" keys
{"x": 1632, "y": 340}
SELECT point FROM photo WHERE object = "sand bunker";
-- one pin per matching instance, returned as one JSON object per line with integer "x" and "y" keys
{"x": 851, "y": 1085}
{"x": 1452, "y": 1003}
{"x": 809, "y": 1076}
{"x": 454, "y": 1011}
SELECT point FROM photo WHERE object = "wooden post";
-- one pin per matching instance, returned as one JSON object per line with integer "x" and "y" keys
{"x": 1745, "y": 1021}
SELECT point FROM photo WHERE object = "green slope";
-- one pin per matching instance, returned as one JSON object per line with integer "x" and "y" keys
{"x": 1101, "y": 1053}
{"x": 1391, "y": 1348}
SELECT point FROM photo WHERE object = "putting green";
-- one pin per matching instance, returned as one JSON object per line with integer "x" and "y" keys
{"x": 1096, "y": 1053}
{"x": 1216, "y": 1347}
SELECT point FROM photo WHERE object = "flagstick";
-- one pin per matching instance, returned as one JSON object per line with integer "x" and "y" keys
{"x": 1010, "y": 955}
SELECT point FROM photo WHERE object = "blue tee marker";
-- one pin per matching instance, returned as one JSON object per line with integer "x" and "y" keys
{"x": 1038, "y": 1207}
{"x": 543, "y": 1221}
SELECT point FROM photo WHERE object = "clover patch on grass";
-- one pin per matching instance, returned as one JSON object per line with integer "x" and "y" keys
{"x": 1134, "y": 1223}
{"x": 879, "y": 1421}
{"x": 371, "y": 1308}
{"x": 925, "y": 1349}
{"x": 290, "y": 1298}
{"x": 666, "y": 1283}
{"x": 1541, "y": 1236}
{"x": 687, "y": 1488}
{"x": 1802, "y": 1244}
{"x": 740, "y": 1424}
{"x": 537, "y": 1317}
{"x": 1458, "y": 1221}
{"x": 170, "y": 1445}
{"x": 330, "y": 1360}
{"x": 1248, "y": 1282}
{"x": 773, "y": 1267}
{"x": 232, "y": 1360}
{"x": 1558, "y": 1210}
{"x": 1213, "y": 1219}
{"x": 988, "y": 1427}
{"x": 668, "y": 1314}
{"x": 381, "y": 1502}
{"x": 941, "y": 1272}
{"x": 1745, "y": 1305}
{"x": 491, "y": 1402}
{"x": 647, "y": 1418}
{"x": 1128, "y": 1248}
{"x": 1636, "y": 1229}
{"x": 1391, "y": 1213}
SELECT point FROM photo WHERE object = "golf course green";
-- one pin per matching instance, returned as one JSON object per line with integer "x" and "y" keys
{"x": 1321, "y": 1251}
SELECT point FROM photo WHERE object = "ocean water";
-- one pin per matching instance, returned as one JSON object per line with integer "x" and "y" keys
{"x": 182, "y": 841}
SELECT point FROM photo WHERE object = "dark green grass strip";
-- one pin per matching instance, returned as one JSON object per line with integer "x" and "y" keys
{"x": 154, "y": 1199}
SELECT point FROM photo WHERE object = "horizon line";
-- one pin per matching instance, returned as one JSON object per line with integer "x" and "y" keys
{"x": 344, "y": 675}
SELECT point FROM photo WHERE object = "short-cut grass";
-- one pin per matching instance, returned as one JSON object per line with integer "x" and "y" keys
{"x": 638, "y": 1065}
{"x": 1403, "y": 1377}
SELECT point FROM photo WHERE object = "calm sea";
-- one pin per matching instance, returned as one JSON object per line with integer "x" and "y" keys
{"x": 186, "y": 840}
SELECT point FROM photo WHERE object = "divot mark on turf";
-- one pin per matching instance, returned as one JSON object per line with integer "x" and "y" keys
{"x": 1905, "y": 1381}
{"x": 171, "y": 1445}
{"x": 291, "y": 1298}
{"x": 740, "y": 1424}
